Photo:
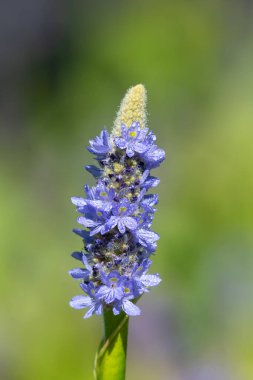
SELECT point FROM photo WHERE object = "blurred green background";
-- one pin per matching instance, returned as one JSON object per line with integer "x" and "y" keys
{"x": 64, "y": 68}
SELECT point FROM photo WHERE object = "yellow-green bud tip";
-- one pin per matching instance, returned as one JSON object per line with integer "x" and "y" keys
{"x": 132, "y": 108}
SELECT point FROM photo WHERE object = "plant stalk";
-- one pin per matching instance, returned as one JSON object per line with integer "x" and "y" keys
{"x": 110, "y": 361}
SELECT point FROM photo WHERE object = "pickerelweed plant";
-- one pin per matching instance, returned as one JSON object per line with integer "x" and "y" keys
{"x": 116, "y": 217}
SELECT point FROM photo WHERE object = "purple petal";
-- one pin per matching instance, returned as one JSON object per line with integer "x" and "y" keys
{"x": 141, "y": 195}
{"x": 132, "y": 208}
{"x": 119, "y": 293}
{"x": 99, "y": 309}
{"x": 110, "y": 297}
{"x": 139, "y": 270}
{"x": 86, "y": 263}
{"x": 90, "y": 192}
{"x": 130, "y": 151}
{"x": 112, "y": 222}
{"x": 150, "y": 279}
{"x": 83, "y": 233}
{"x": 120, "y": 142}
{"x": 121, "y": 226}
{"x": 96, "y": 172}
{"x": 105, "y": 137}
{"x": 90, "y": 312}
{"x": 146, "y": 237}
{"x": 86, "y": 222}
{"x": 130, "y": 223}
{"x": 79, "y": 273}
{"x": 100, "y": 145}
{"x": 142, "y": 133}
{"x": 140, "y": 148}
{"x": 79, "y": 302}
{"x": 102, "y": 291}
{"x": 117, "y": 308}
{"x": 78, "y": 201}
{"x": 150, "y": 182}
{"x": 96, "y": 230}
{"x": 103, "y": 277}
{"x": 77, "y": 255}
{"x": 153, "y": 157}
{"x": 124, "y": 131}
{"x": 150, "y": 199}
{"x": 150, "y": 139}
{"x": 144, "y": 176}
{"x": 85, "y": 287}
{"x": 134, "y": 125}
{"x": 130, "y": 308}
{"x": 97, "y": 204}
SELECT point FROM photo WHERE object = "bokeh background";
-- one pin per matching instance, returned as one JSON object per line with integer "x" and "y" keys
{"x": 64, "y": 67}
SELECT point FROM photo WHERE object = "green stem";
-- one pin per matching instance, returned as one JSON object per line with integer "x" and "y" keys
{"x": 110, "y": 361}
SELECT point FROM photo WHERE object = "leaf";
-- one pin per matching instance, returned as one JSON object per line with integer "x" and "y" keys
{"x": 110, "y": 361}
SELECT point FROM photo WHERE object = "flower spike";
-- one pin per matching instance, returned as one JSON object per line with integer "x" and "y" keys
{"x": 117, "y": 213}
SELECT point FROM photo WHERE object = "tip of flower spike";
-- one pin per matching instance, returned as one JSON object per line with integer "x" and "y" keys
{"x": 132, "y": 108}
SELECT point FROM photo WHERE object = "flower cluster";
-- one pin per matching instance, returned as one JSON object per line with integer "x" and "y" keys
{"x": 116, "y": 215}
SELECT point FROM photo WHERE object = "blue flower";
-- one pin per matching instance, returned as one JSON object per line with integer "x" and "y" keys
{"x": 122, "y": 217}
{"x": 82, "y": 273}
{"x": 144, "y": 219}
{"x": 94, "y": 305}
{"x": 148, "y": 201}
{"x": 101, "y": 144}
{"x": 103, "y": 194}
{"x": 99, "y": 197}
{"x": 127, "y": 306}
{"x": 93, "y": 170}
{"x": 78, "y": 201}
{"x": 132, "y": 139}
{"x": 112, "y": 288}
{"x": 147, "y": 238}
{"x": 153, "y": 157}
{"x": 78, "y": 273}
{"x": 95, "y": 217}
{"x": 148, "y": 181}
{"x": 143, "y": 280}
{"x": 83, "y": 233}
{"x": 77, "y": 255}
{"x": 124, "y": 303}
